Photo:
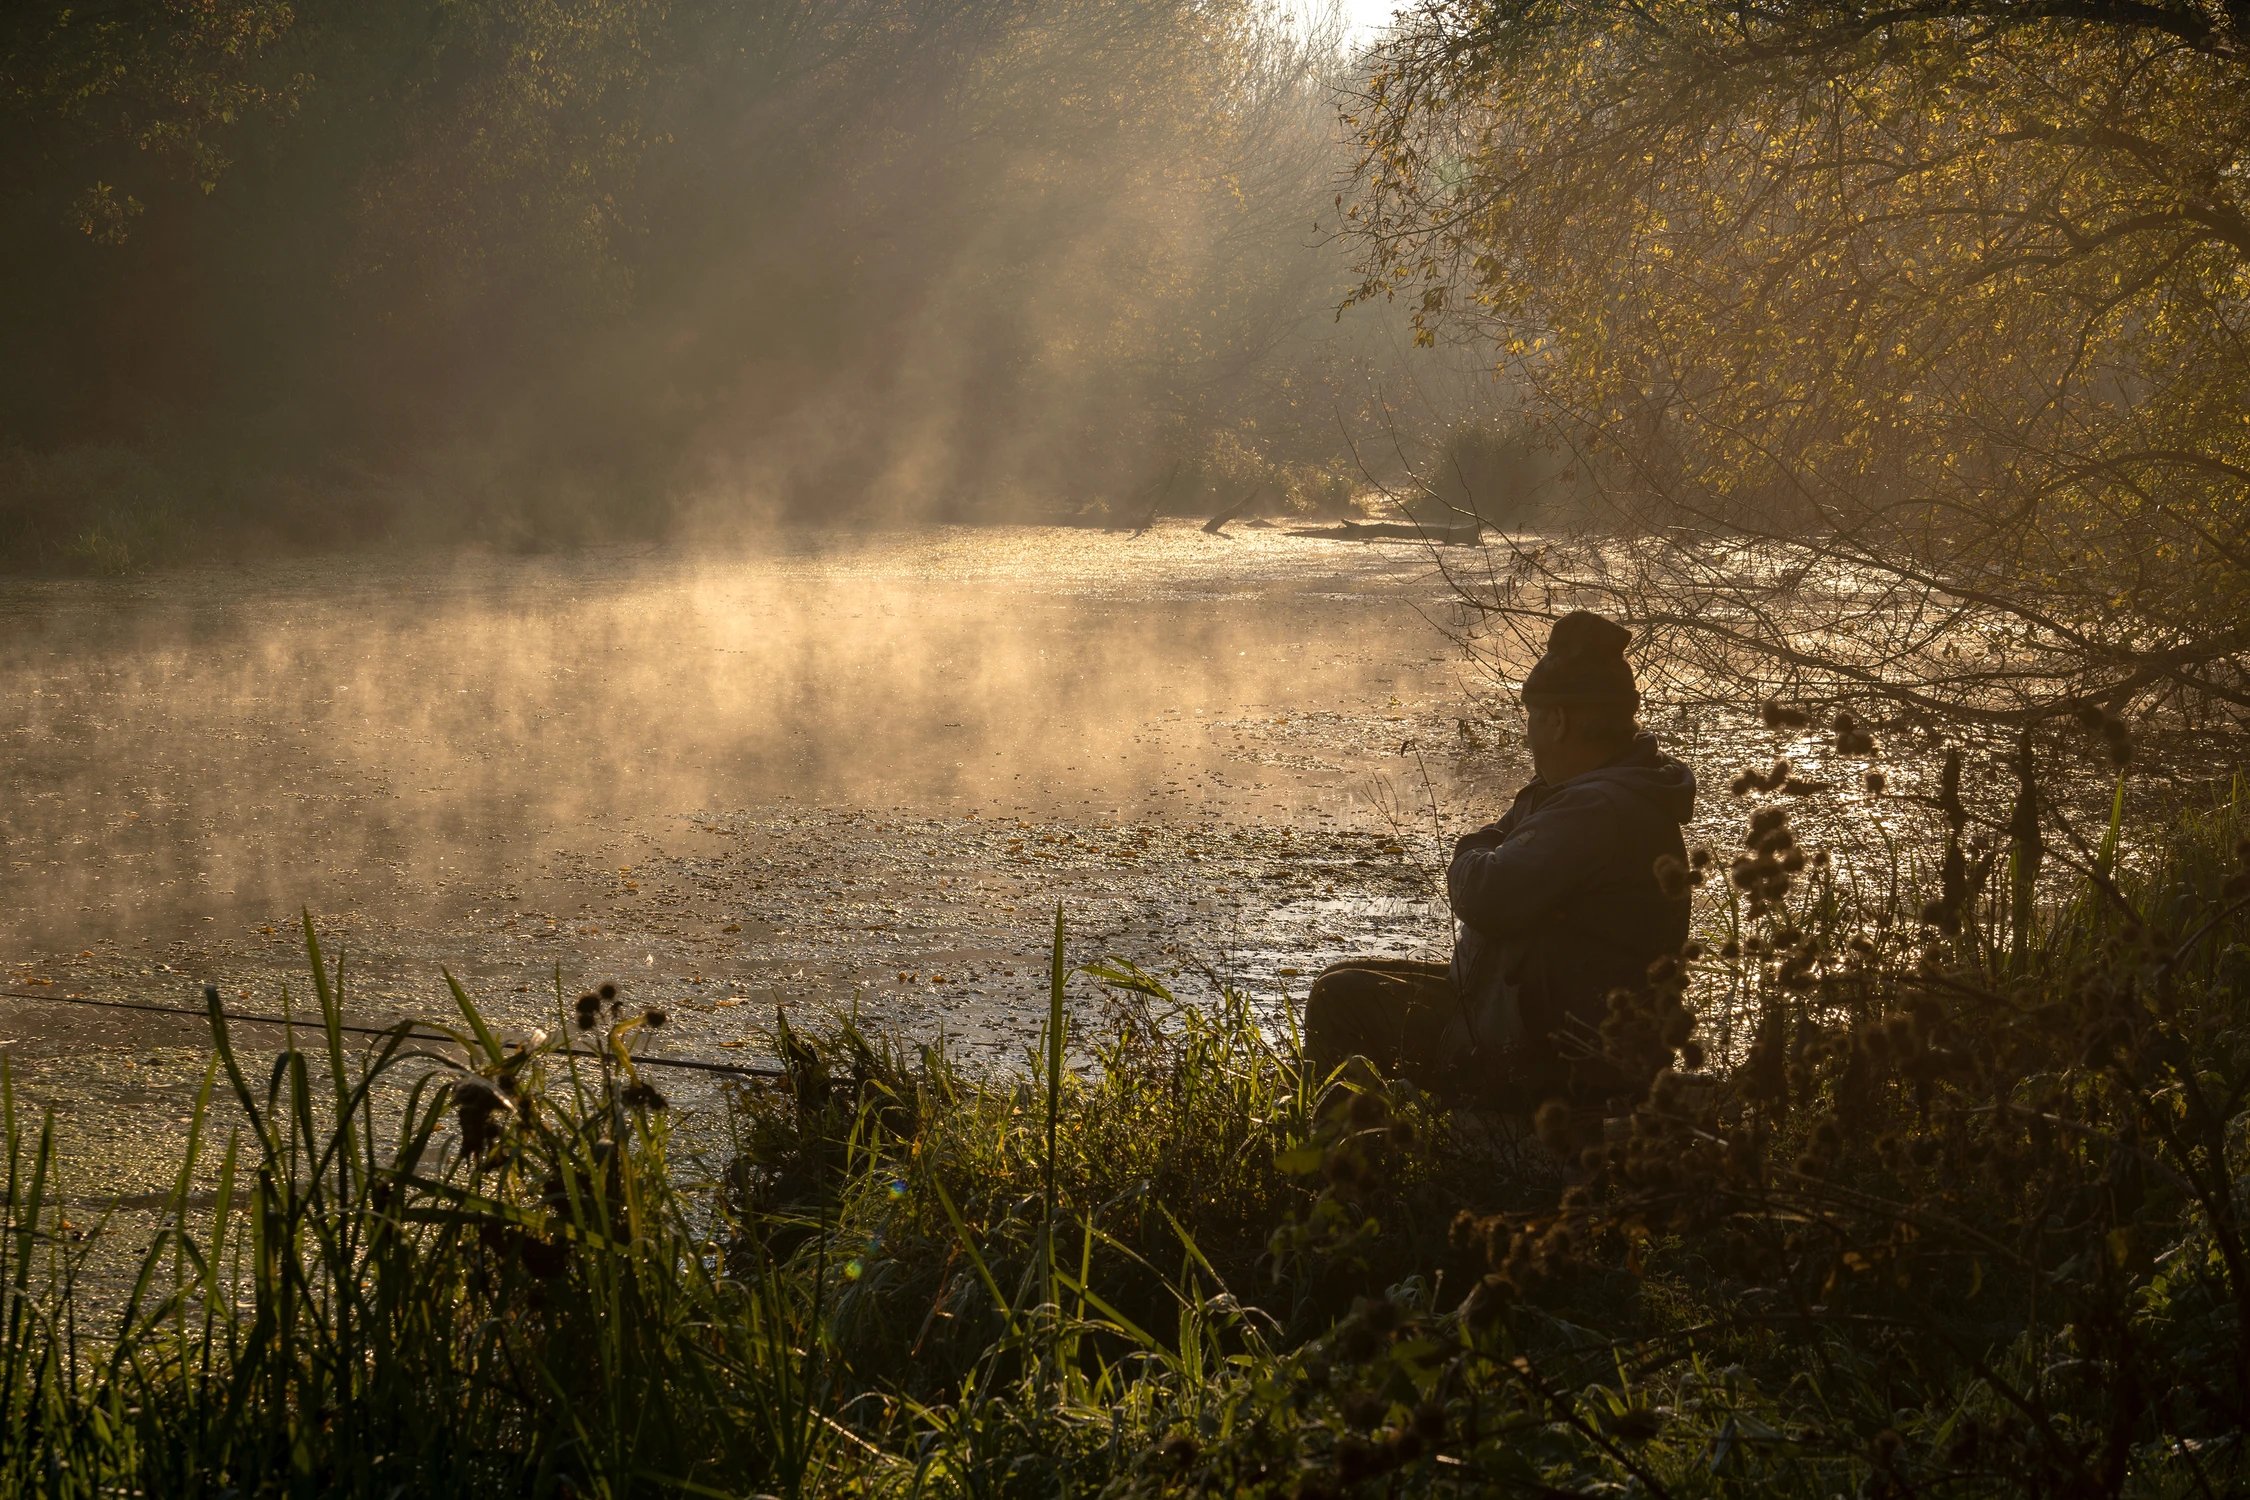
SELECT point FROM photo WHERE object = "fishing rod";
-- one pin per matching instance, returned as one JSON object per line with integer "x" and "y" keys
{"x": 425, "y": 1036}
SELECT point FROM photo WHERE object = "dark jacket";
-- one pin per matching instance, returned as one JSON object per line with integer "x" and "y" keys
{"x": 1559, "y": 904}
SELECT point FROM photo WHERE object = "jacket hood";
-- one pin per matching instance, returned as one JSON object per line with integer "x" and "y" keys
{"x": 1646, "y": 772}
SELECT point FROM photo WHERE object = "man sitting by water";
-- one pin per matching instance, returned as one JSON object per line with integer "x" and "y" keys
{"x": 1558, "y": 903}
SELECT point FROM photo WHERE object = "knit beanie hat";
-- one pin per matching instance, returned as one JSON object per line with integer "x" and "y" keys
{"x": 1584, "y": 664}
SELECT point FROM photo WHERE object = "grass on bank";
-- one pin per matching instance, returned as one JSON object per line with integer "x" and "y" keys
{"x": 1964, "y": 1219}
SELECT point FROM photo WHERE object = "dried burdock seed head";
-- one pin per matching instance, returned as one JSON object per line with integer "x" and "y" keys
{"x": 1692, "y": 952}
{"x": 1699, "y": 857}
{"x": 1773, "y": 778}
{"x": 1663, "y": 1093}
{"x": 1466, "y": 1231}
{"x": 1949, "y": 791}
{"x": 1179, "y": 1450}
{"x": 1691, "y": 1053}
{"x": 1672, "y": 877}
{"x": 1369, "y": 1108}
{"x": 654, "y": 1018}
{"x": 1429, "y": 1420}
{"x": 1852, "y": 737}
{"x": 1876, "y": 783}
{"x": 1730, "y": 949}
{"x": 482, "y": 1111}
{"x": 476, "y": 1094}
{"x": 1354, "y": 1459}
{"x": 607, "y": 992}
{"x": 1778, "y": 715}
{"x": 1553, "y": 1123}
{"x": 1400, "y": 1134}
{"x": 644, "y": 1096}
{"x": 1886, "y": 1446}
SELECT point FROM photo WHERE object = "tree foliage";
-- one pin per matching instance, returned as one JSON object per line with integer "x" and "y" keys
{"x": 132, "y": 94}
{"x": 1909, "y": 342}
{"x": 542, "y": 263}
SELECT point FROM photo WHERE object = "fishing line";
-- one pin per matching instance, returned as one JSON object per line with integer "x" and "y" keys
{"x": 423, "y": 1036}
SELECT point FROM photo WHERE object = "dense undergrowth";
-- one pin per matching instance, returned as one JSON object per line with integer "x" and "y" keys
{"x": 1963, "y": 1218}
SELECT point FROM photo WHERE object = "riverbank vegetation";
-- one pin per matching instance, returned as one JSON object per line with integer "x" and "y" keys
{"x": 1953, "y": 1210}
{"x": 317, "y": 274}
{"x": 1904, "y": 348}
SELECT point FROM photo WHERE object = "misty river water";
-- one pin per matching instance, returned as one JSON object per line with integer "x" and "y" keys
{"x": 845, "y": 770}
{"x": 842, "y": 772}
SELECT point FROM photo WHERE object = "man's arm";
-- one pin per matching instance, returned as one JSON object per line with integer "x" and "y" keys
{"x": 1493, "y": 835}
{"x": 1507, "y": 878}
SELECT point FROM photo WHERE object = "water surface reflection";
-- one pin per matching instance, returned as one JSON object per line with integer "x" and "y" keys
{"x": 228, "y": 745}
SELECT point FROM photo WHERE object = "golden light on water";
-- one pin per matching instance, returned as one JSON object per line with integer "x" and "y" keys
{"x": 381, "y": 739}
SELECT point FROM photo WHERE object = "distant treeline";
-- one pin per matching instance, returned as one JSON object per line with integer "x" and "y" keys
{"x": 537, "y": 270}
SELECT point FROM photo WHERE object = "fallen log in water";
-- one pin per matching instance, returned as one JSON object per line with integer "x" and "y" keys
{"x": 1467, "y": 534}
{"x": 1217, "y": 525}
